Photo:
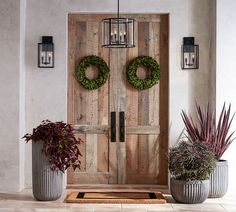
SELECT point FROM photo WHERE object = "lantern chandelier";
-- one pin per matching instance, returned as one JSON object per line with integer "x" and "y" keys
{"x": 118, "y": 32}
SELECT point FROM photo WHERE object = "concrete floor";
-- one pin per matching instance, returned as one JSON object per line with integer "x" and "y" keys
{"x": 24, "y": 202}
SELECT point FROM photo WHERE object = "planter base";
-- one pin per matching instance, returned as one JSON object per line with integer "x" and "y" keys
{"x": 190, "y": 192}
{"x": 219, "y": 180}
{"x": 47, "y": 184}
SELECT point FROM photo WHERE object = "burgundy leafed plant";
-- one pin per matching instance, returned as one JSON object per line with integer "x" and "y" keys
{"x": 191, "y": 161}
{"x": 216, "y": 136}
{"x": 60, "y": 144}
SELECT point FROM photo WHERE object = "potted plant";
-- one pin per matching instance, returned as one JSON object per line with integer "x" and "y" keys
{"x": 190, "y": 165}
{"x": 54, "y": 149}
{"x": 217, "y": 137}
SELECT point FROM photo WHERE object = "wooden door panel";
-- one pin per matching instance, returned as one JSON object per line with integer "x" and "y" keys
{"x": 144, "y": 152}
{"x": 141, "y": 159}
{"x": 88, "y": 109}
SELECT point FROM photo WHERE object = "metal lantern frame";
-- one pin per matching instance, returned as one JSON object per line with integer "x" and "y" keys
{"x": 190, "y": 54}
{"x": 118, "y": 32}
{"x": 46, "y": 52}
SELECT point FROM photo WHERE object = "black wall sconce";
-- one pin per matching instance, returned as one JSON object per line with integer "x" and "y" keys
{"x": 190, "y": 54}
{"x": 46, "y": 52}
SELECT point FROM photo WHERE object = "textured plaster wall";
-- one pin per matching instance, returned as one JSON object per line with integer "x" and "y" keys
{"x": 29, "y": 94}
{"x": 226, "y": 72}
{"x": 11, "y": 73}
{"x": 46, "y": 89}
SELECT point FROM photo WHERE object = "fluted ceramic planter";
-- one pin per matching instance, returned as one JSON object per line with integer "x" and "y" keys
{"x": 190, "y": 192}
{"x": 219, "y": 180}
{"x": 47, "y": 184}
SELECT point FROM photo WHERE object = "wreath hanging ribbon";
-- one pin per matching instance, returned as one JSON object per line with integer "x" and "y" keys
{"x": 103, "y": 72}
{"x": 150, "y": 64}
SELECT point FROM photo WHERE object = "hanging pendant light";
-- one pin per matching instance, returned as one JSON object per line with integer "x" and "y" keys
{"x": 118, "y": 32}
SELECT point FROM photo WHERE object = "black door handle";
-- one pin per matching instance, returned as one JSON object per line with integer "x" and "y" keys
{"x": 122, "y": 126}
{"x": 113, "y": 126}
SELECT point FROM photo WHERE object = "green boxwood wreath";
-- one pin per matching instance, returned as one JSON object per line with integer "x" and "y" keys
{"x": 150, "y": 64}
{"x": 103, "y": 72}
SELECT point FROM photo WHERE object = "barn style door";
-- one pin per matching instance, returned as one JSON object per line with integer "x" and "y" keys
{"x": 125, "y": 131}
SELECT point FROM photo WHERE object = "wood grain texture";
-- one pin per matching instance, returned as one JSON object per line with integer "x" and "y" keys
{"x": 91, "y": 129}
{"x": 91, "y": 122}
{"x": 154, "y": 102}
{"x": 143, "y": 99}
{"x": 131, "y": 116}
{"x": 143, "y": 119}
{"x": 164, "y": 90}
{"x": 141, "y": 159}
{"x": 79, "y": 113}
{"x": 113, "y": 95}
{"x": 121, "y": 103}
{"x": 91, "y": 100}
{"x": 143, "y": 130}
{"x": 90, "y": 178}
{"x": 103, "y": 111}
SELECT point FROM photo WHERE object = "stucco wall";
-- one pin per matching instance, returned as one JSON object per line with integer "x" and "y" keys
{"x": 45, "y": 94}
{"x": 46, "y": 89}
{"x": 11, "y": 54}
{"x": 226, "y": 72}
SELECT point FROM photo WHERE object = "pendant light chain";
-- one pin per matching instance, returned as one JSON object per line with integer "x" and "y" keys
{"x": 118, "y": 10}
{"x": 118, "y": 18}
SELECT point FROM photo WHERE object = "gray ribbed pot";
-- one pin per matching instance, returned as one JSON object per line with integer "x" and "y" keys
{"x": 190, "y": 192}
{"x": 219, "y": 180}
{"x": 47, "y": 184}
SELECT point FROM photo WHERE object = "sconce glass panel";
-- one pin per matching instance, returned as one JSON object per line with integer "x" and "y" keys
{"x": 190, "y": 54}
{"x": 46, "y": 53}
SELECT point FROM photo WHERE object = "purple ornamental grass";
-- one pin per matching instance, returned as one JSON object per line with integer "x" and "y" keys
{"x": 216, "y": 136}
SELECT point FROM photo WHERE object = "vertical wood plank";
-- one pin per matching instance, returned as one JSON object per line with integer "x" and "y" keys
{"x": 121, "y": 101}
{"x": 79, "y": 95}
{"x": 79, "y": 91}
{"x": 113, "y": 95}
{"x": 75, "y": 29}
{"x": 154, "y": 100}
{"x": 132, "y": 117}
{"x": 143, "y": 99}
{"x": 103, "y": 111}
{"x": 92, "y": 101}
{"x": 164, "y": 90}
{"x": 91, "y": 153}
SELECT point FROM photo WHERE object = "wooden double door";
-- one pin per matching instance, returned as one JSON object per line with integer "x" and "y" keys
{"x": 124, "y": 130}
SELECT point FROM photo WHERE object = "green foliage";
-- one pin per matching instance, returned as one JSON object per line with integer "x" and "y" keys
{"x": 151, "y": 65}
{"x": 103, "y": 70}
{"x": 191, "y": 161}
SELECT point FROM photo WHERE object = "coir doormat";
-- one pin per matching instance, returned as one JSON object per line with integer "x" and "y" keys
{"x": 116, "y": 197}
